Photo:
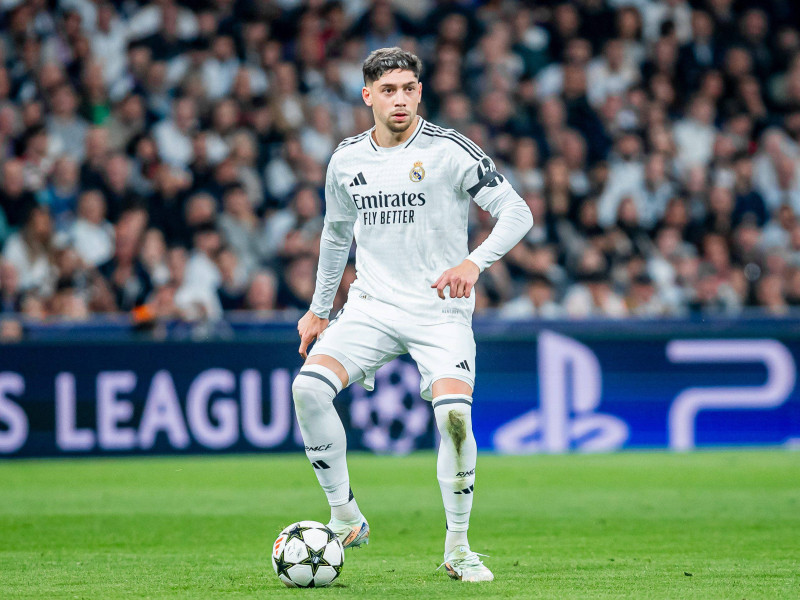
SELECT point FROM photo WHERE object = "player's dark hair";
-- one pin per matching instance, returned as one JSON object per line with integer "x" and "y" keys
{"x": 383, "y": 60}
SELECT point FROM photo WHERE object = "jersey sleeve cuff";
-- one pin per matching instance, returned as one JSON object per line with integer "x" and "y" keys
{"x": 320, "y": 312}
{"x": 482, "y": 264}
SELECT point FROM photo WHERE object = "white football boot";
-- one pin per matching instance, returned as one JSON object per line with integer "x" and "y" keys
{"x": 465, "y": 565}
{"x": 351, "y": 535}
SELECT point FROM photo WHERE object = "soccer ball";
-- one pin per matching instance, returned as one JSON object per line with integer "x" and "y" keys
{"x": 307, "y": 554}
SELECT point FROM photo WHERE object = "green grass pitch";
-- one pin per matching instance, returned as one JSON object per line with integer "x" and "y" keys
{"x": 631, "y": 525}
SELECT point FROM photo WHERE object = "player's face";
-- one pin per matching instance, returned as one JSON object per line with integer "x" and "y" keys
{"x": 394, "y": 99}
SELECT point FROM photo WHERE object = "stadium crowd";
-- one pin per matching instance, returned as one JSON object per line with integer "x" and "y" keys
{"x": 167, "y": 158}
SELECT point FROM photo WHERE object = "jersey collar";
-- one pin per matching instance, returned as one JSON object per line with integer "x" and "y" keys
{"x": 382, "y": 150}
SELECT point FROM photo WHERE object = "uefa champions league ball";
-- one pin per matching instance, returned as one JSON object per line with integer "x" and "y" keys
{"x": 307, "y": 554}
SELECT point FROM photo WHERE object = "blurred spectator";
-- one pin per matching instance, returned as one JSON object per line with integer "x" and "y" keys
{"x": 770, "y": 295}
{"x": 11, "y": 330}
{"x": 643, "y": 299}
{"x": 173, "y": 136}
{"x": 786, "y": 187}
{"x": 64, "y": 125}
{"x": 10, "y": 293}
{"x": 184, "y": 298}
{"x": 777, "y": 232}
{"x": 318, "y": 138}
{"x": 108, "y": 42}
{"x": 240, "y": 226}
{"x": 244, "y": 154}
{"x": 657, "y": 144}
{"x": 711, "y": 296}
{"x": 38, "y": 155}
{"x": 294, "y": 230}
{"x": 127, "y": 121}
{"x": 262, "y": 293}
{"x": 676, "y": 14}
{"x": 61, "y": 194}
{"x": 284, "y": 172}
{"x": 748, "y": 201}
{"x": 154, "y": 256}
{"x": 233, "y": 280}
{"x": 612, "y": 74}
{"x": 695, "y": 134}
{"x": 29, "y": 251}
{"x": 592, "y": 296}
{"x": 129, "y": 280}
{"x": 702, "y": 51}
{"x": 117, "y": 186}
{"x": 297, "y": 286}
{"x": 201, "y": 269}
{"x": 168, "y": 203}
{"x": 525, "y": 168}
{"x": 537, "y": 301}
{"x": 15, "y": 200}
{"x": 220, "y": 70}
{"x": 67, "y": 303}
{"x": 91, "y": 235}
{"x": 626, "y": 179}
{"x": 96, "y": 157}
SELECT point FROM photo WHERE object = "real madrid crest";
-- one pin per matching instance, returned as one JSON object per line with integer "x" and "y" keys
{"x": 417, "y": 173}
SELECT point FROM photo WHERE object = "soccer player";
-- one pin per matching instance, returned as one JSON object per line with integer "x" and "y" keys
{"x": 403, "y": 188}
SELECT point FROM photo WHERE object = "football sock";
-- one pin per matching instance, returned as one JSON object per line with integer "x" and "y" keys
{"x": 455, "y": 467}
{"x": 347, "y": 513}
{"x": 454, "y": 539}
{"x": 313, "y": 390}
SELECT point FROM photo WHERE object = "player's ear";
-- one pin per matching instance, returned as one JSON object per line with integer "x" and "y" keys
{"x": 419, "y": 90}
{"x": 366, "y": 95}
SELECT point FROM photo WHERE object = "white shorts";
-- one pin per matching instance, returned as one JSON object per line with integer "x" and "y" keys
{"x": 443, "y": 350}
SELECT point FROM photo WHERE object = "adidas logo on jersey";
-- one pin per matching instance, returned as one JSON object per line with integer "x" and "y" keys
{"x": 463, "y": 365}
{"x": 358, "y": 180}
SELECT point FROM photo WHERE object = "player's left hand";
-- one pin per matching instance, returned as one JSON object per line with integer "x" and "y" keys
{"x": 460, "y": 279}
{"x": 310, "y": 326}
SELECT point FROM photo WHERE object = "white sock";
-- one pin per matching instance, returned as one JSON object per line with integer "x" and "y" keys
{"x": 454, "y": 539}
{"x": 347, "y": 513}
{"x": 313, "y": 390}
{"x": 455, "y": 466}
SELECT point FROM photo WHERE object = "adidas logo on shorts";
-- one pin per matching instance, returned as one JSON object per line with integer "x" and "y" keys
{"x": 463, "y": 365}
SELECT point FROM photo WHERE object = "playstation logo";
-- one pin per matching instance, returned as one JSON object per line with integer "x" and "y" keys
{"x": 570, "y": 391}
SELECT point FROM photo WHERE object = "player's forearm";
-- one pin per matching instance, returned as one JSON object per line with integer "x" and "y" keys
{"x": 334, "y": 249}
{"x": 514, "y": 220}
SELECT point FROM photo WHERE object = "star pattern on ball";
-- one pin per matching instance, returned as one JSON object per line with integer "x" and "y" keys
{"x": 315, "y": 560}
{"x": 330, "y": 534}
{"x": 281, "y": 565}
{"x": 296, "y": 532}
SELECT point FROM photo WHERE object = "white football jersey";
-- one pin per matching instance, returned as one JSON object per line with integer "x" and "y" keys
{"x": 409, "y": 205}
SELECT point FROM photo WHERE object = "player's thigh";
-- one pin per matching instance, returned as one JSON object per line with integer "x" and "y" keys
{"x": 342, "y": 372}
{"x": 358, "y": 342}
{"x": 445, "y": 351}
{"x": 448, "y": 385}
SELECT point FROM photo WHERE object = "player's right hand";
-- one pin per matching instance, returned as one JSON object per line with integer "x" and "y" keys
{"x": 309, "y": 327}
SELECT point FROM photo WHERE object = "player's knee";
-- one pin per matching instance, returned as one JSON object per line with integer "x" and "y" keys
{"x": 454, "y": 418}
{"x": 306, "y": 398}
{"x": 313, "y": 391}
{"x": 300, "y": 393}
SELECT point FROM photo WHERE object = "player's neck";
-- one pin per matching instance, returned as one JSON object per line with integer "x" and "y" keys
{"x": 388, "y": 139}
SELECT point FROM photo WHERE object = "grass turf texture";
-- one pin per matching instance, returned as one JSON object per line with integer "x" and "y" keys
{"x": 634, "y": 525}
